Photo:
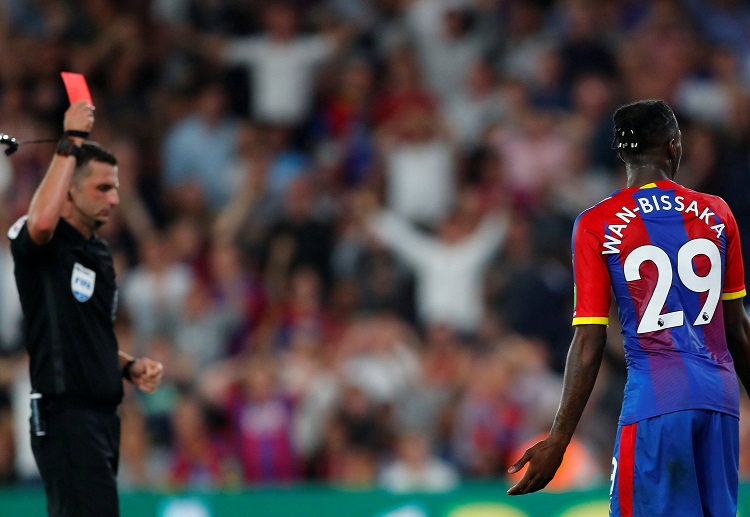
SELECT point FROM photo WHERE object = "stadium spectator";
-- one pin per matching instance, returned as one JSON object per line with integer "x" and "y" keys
{"x": 197, "y": 151}
{"x": 343, "y": 122}
{"x": 261, "y": 421}
{"x": 470, "y": 110}
{"x": 283, "y": 65}
{"x": 449, "y": 266}
{"x": 154, "y": 292}
{"x": 488, "y": 420}
{"x": 417, "y": 154}
{"x": 198, "y": 459}
{"x": 415, "y": 469}
{"x": 446, "y": 53}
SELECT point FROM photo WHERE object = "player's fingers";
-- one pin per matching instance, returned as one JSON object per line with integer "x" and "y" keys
{"x": 153, "y": 368}
{"x": 153, "y": 376}
{"x": 519, "y": 488}
{"x": 148, "y": 385}
{"x": 530, "y": 482}
{"x": 83, "y": 107}
{"x": 520, "y": 463}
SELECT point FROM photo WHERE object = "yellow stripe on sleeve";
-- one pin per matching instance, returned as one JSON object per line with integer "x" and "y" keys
{"x": 733, "y": 296}
{"x": 591, "y": 320}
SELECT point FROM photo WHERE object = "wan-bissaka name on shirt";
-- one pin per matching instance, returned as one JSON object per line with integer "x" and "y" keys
{"x": 651, "y": 204}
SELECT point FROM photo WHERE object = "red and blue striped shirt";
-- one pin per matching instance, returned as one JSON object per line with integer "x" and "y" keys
{"x": 669, "y": 255}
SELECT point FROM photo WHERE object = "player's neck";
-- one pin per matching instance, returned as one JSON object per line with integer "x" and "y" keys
{"x": 639, "y": 175}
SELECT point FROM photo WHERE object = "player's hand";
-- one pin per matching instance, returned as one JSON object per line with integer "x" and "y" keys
{"x": 79, "y": 117}
{"x": 544, "y": 458}
{"x": 146, "y": 374}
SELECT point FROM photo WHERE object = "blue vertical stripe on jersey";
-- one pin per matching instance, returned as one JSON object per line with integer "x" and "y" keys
{"x": 628, "y": 316}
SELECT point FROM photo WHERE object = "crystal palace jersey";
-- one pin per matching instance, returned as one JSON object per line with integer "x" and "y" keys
{"x": 669, "y": 255}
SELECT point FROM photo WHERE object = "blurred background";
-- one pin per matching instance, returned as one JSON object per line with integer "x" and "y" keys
{"x": 345, "y": 224}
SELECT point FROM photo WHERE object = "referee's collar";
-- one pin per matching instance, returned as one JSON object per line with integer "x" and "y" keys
{"x": 69, "y": 232}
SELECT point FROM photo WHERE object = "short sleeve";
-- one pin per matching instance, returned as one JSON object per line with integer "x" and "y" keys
{"x": 593, "y": 293}
{"x": 734, "y": 274}
{"x": 21, "y": 245}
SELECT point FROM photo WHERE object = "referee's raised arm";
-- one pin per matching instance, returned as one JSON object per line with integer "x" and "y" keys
{"x": 49, "y": 199}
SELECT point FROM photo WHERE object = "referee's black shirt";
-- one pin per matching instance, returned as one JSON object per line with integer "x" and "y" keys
{"x": 68, "y": 296}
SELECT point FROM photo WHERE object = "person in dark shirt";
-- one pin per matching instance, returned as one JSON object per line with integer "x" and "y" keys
{"x": 66, "y": 283}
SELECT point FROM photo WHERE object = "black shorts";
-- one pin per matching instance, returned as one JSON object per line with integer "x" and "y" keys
{"x": 78, "y": 459}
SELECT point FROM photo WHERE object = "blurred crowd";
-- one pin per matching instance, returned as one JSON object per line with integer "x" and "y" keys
{"x": 345, "y": 224}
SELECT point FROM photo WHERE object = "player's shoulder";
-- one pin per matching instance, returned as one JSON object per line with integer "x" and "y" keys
{"x": 594, "y": 215}
{"x": 716, "y": 203}
{"x": 688, "y": 192}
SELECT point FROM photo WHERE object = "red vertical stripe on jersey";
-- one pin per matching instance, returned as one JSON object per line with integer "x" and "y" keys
{"x": 625, "y": 469}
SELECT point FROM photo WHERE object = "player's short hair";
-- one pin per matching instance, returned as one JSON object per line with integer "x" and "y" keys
{"x": 643, "y": 126}
{"x": 91, "y": 152}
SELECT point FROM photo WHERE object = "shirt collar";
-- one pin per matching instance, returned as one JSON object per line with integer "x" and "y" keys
{"x": 70, "y": 233}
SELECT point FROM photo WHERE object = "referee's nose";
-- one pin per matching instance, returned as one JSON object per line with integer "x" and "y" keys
{"x": 114, "y": 197}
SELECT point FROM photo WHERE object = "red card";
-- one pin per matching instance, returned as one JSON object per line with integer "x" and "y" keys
{"x": 76, "y": 86}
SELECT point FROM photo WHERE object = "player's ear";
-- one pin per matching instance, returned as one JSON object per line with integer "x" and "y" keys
{"x": 70, "y": 193}
{"x": 672, "y": 149}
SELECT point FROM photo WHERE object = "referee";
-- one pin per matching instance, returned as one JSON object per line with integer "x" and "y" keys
{"x": 66, "y": 282}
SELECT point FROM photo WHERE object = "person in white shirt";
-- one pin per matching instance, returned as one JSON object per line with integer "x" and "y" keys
{"x": 416, "y": 469}
{"x": 282, "y": 65}
{"x": 449, "y": 267}
{"x": 446, "y": 53}
{"x": 418, "y": 157}
{"x": 154, "y": 292}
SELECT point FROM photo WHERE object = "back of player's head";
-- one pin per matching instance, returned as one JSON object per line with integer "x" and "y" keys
{"x": 643, "y": 126}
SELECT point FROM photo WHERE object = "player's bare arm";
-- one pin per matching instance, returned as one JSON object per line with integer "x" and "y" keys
{"x": 581, "y": 369}
{"x": 737, "y": 326}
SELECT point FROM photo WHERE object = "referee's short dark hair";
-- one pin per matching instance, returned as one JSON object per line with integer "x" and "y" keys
{"x": 643, "y": 126}
{"x": 92, "y": 152}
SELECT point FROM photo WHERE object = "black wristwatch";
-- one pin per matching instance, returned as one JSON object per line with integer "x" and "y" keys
{"x": 67, "y": 147}
{"x": 126, "y": 370}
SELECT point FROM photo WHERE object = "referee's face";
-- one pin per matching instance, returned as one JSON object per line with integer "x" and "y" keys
{"x": 95, "y": 196}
